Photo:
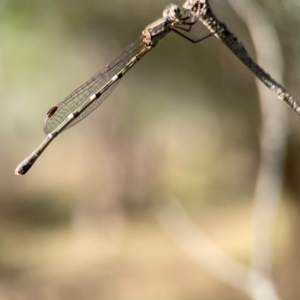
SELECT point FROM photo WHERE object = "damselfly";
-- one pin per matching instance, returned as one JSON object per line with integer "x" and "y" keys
{"x": 90, "y": 95}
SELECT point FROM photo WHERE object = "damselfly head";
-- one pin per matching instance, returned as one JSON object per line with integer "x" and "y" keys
{"x": 173, "y": 12}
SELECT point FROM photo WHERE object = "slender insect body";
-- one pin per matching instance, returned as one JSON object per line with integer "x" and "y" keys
{"x": 90, "y": 95}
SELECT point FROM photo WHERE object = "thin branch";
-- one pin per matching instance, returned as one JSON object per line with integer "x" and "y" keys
{"x": 175, "y": 221}
{"x": 273, "y": 135}
{"x": 202, "y": 10}
{"x": 272, "y": 140}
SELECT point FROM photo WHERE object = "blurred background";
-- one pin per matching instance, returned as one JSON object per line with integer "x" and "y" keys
{"x": 98, "y": 216}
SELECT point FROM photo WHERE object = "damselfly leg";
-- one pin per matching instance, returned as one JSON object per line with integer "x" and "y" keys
{"x": 185, "y": 22}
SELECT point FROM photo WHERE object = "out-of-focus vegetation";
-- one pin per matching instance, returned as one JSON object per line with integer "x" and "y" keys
{"x": 184, "y": 121}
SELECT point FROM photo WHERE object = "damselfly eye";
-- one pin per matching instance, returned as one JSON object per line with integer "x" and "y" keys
{"x": 176, "y": 12}
{"x": 172, "y": 12}
{"x": 195, "y": 8}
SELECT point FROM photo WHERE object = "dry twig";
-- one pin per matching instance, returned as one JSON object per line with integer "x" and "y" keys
{"x": 202, "y": 10}
{"x": 273, "y": 135}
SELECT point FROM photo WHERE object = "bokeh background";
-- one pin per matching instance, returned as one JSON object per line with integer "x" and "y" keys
{"x": 183, "y": 124}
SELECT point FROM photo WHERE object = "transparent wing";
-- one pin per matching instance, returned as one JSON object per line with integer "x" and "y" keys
{"x": 60, "y": 112}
